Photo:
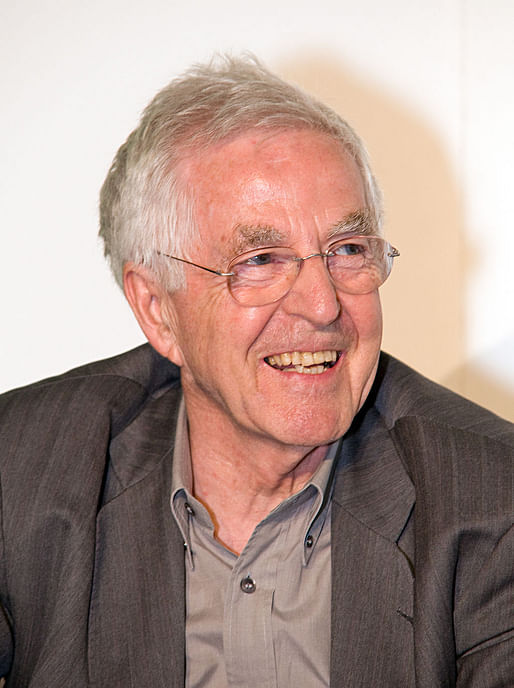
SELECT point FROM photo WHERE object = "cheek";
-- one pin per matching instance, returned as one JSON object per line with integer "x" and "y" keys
{"x": 213, "y": 329}
{"x": 365, "y": 313}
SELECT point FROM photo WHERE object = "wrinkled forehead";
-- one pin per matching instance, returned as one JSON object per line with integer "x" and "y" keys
{"x": 267, "y": 188}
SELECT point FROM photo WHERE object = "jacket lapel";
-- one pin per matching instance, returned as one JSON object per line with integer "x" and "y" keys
{"x": 372, "y": 581}
{"x": 136, "y": 625}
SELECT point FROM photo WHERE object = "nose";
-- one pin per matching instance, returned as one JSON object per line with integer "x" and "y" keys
{"x": 313, "y": 296}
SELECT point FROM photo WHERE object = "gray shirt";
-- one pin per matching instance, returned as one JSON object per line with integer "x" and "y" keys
{"x": 261, "y": 618}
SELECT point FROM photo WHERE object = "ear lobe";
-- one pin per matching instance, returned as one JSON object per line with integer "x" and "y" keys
{"x": 153, "y": 309}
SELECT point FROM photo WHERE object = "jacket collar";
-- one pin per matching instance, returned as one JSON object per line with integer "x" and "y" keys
{"x": 372, "y": 484}
{"x": 372, "y": 581}
{"x": 137, "y": 615}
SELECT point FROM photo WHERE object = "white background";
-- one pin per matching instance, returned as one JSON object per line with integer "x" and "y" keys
{"x": 429, "y": 85}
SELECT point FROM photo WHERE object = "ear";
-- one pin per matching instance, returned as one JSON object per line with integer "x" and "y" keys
{"x": 152, "y": 305}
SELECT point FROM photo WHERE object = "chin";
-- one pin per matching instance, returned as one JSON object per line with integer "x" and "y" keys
{"x": 307, "y": 430}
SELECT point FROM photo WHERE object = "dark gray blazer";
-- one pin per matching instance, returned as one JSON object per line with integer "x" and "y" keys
{"x": 92, "y": 573}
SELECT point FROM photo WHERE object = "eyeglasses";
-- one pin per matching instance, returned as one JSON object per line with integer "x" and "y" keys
{"x": 356, "y": 264}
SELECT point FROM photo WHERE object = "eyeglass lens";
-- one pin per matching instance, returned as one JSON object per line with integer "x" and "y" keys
{"x": 357, "y": 265}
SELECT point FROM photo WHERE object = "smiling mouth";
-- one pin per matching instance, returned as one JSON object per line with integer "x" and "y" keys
{"x": 307, "y": 362}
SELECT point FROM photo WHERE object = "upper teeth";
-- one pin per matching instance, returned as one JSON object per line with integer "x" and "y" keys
{"x": 303, "y": 358}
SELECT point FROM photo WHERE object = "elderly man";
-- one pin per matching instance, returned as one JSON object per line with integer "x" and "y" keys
{"x": 259, "y": 498}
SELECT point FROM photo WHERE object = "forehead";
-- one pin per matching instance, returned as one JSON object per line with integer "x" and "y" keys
{"x": 285, "y": 184}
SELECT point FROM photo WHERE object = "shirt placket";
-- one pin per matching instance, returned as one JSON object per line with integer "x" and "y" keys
{"x": 247, "y": 626}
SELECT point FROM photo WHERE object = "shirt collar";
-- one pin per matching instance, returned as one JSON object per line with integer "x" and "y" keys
{"x": 182, "y": 490}
{"x": 182, "y": 479}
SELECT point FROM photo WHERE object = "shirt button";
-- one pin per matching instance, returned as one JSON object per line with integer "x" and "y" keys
{"x": 248, "y": 585}
{"x": 189, "y": 509}
{"x": 309, "y": 541}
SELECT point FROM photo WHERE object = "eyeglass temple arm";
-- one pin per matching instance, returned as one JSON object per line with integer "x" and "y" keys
{"x": 393, "y": 253}
{"x": 196, "y": 265}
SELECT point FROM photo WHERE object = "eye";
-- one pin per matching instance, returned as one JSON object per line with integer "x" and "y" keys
{"x": 349, "y": 248}
{"x": 268, "y": 257}
{"x": 268, "y": 264}
{"x": 260, "y": 259}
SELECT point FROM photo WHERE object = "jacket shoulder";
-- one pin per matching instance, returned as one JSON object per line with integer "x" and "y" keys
{"x": 457, "y": 454}
{"x": 401, "y": 393}
{"x": 115, "y": 388}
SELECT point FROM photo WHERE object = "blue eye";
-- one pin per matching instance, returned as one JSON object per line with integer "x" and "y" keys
{"x": 350, "y": 249}
{"x": 260, "y": 259}
{"x": 270, "y": 264}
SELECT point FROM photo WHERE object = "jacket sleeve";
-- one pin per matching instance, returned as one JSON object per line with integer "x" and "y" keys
{"x": 6, "y": 640}
{"x": 489, "y": 604}
{"x": 464, "y": 552}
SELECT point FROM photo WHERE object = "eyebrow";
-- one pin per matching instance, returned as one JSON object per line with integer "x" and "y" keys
{"x": 247, "y": 237}
{"x": 358, "y": 222}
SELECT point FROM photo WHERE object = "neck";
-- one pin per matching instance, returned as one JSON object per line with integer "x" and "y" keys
{"x": 241, "y": 477}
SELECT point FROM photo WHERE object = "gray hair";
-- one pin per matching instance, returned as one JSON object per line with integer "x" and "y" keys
{"x": 145, "y": 207}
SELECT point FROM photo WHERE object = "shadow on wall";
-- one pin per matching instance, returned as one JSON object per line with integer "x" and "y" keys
{"x": 424, "y": 300}
{"x": 483, "y": 388}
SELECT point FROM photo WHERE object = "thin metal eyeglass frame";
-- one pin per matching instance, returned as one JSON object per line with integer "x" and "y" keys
{"x": 196, "y": 265}
{"x": 391, "y": 253}
{"x": 326, "y": 254}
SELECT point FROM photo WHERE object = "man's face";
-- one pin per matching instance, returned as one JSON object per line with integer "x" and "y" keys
{"x": 290, "y": 189}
